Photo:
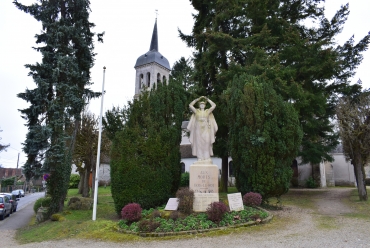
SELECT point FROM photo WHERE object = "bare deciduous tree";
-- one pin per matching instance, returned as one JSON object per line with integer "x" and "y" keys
{"x": 354, "y": 128}
{"x": 84, "y": 156}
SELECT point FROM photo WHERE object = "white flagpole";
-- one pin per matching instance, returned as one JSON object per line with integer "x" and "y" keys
{"x": 98, "y": 155}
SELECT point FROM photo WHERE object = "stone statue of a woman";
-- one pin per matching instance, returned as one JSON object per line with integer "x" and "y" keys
{"x": 203, "y": 128}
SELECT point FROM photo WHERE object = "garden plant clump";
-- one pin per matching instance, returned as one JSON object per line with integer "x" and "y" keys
{"x": 252, "y": 199}
{"x": 131, "y": 212}
{"x": 216, "y": 211}
{"x": 186, "y": 199}
{"x": 41, "y": 202}
{"x": 191, "y": 222}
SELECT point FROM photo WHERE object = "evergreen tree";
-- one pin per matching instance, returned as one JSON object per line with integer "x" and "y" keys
{"x": 272, "y": 39}
{"x": 145, "y": 155}
{"x": 61, "y": 90}
{"x": 354, "y": 128}
{"x": 182, "y": 71}
{"x": 265, "y": 136}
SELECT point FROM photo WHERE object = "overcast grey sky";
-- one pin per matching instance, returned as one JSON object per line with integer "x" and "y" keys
{"x": 128, "y": 27}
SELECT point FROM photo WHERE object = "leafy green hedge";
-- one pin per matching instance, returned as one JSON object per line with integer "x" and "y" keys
{"x": 185, "y": 177}
{"x": 145, "y": 156}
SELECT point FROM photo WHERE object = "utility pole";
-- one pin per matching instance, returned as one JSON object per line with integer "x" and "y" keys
{"x": 15, "y": 176}
{"x": 98, "y": 152}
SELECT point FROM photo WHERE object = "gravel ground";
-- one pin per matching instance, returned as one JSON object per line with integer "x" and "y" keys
{"x": 300, "y": 229}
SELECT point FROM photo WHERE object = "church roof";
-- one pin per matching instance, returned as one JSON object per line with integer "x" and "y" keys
{"x": 153, "y": 54}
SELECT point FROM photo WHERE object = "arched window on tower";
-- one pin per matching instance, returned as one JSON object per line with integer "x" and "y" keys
{"x": 164, "y": 79}
{"x": 141, "y": 81}
{"x": 148, "y": 79}
{"x": 158, "y": 78}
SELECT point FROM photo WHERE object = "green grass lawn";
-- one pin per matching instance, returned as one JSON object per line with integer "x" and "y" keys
{"x": 362, "y": 207}
{"x": 79, "y": 224}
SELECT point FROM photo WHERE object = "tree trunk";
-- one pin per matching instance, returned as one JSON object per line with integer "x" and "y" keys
{"x": 361, "y": 185}
{"x": 93, "y": 181}
{"x": 85, "y": 185}
{"x": 81, "y": 183}
{"x": 224, "y": 174}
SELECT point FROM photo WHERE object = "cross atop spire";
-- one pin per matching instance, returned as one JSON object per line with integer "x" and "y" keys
{"x": 154, "y": 42}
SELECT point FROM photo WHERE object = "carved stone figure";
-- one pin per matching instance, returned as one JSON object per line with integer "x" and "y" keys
{"x": 203, "y": 128}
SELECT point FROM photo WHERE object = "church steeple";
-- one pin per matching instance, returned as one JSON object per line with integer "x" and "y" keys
{"x": 154, "y": 42}
{"x": 152, "y": 67}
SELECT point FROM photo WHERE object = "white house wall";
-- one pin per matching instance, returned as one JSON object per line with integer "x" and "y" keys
{"x": 104, "y": 172}
{"x": 343, "y": 171}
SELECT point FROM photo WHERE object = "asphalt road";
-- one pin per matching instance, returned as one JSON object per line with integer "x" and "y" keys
{"x": 24, "y": 213}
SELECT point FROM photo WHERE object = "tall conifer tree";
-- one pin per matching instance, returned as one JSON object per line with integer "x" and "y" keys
{"x": 62, "y": 78}
{"x": 272, "y": 39}
{"x": 264, "y": 136}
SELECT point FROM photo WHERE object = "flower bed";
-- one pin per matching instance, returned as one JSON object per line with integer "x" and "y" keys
{"x": 194, "y": 223}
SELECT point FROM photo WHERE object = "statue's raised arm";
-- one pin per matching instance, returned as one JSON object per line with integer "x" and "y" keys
{"x": 203, "y": 128}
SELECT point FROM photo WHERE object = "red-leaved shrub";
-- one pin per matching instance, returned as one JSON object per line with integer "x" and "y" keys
{"x": 131, "y": 212}
{"x": 216, "y": 211}
{"x": 252, "y": 199}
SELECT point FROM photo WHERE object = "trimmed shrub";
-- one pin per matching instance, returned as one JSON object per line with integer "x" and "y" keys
{"x": 186, "y": 200}
{"x": 80, "y": 203}
{"x": 185, "y": 179}
{"x": 216, "y": 210}
{"x": 148, "y": 225}
{"x": 41, "y": 202}
{"x": 131, "y": 212}
{"x": 57, "y": 217}
{"x": 252, "y": 199}
{"x": 145, "y": 155}
{"x": 74, "y": 180}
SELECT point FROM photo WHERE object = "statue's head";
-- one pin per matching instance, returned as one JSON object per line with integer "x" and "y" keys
{"x": 202, "y": 104}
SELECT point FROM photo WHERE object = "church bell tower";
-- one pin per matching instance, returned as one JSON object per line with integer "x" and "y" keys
{"x": 152, "y": 67}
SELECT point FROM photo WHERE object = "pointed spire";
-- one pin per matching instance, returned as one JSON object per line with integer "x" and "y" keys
{"x": 154, "y": 43}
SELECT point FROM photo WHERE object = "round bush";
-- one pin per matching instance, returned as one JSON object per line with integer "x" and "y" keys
{"x": 216, "y": 211}
{"x": 57, "y": 217}
{"x": 74, "y": 180}
{"x": 131, "y": 212}
{"x": 252, "y": 199}
{"x": 42, "y": 202}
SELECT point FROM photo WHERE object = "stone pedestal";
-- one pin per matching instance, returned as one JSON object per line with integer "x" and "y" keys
{"x": 204, "y": 183}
